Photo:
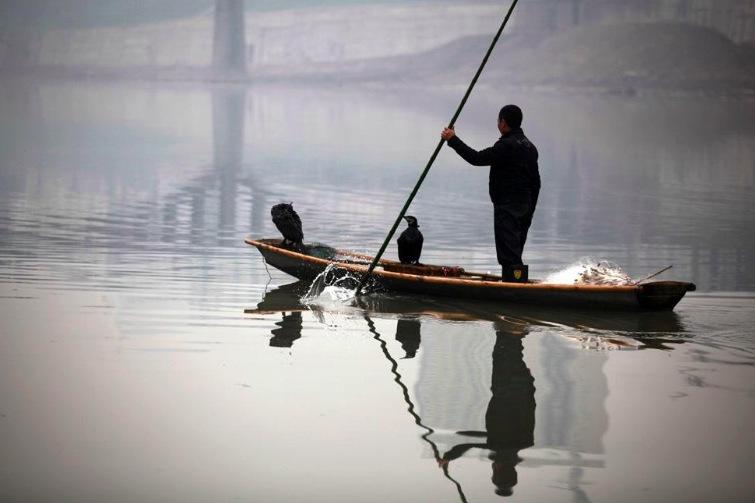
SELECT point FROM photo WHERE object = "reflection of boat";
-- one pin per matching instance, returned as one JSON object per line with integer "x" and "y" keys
{"x": 455, "y": 282}
{"x": 648, "y": 328}
{"x": 450, "y": 398}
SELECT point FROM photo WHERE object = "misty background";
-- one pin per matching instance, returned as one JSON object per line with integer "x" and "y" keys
{"x": 141, "y": 141}
{"x": 609, "y": 45}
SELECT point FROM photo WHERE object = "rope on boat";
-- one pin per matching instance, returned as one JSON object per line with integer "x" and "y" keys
{"x": 269, "y": 276}
{"x": 436, "y": 152}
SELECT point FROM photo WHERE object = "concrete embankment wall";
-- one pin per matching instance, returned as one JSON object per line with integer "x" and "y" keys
{"x": 733, "y": 18}
{"x": 288, "y": 37}
{"x": 296, "y": 39}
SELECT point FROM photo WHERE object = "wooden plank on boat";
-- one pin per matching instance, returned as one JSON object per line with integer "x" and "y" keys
{"x": 425, "y": 270}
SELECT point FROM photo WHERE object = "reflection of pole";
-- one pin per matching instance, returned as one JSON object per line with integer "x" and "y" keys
{"x": 228, "y": 45}
{"x": 418, "y": 420}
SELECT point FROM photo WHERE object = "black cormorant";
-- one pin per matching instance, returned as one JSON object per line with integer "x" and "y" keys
{"x": 410, "y": 242}
{"x": 289, "y": 224}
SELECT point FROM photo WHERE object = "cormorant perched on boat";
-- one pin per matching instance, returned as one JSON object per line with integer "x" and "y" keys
{"x": 410, "y": 242}
{"x": 289, "y": 224}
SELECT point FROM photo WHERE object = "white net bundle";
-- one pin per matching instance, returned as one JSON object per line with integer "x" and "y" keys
{"x": 591, "y": 272}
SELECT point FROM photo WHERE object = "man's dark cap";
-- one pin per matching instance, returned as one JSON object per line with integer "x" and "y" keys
{"x": 512, "y": 114}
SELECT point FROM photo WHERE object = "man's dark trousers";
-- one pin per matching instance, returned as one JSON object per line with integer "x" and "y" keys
{"x": 511, "y": 221}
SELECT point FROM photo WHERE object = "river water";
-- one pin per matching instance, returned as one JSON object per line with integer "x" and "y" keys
{"x": 147, "y": 354}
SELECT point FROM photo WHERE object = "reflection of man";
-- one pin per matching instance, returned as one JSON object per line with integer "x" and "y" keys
{"x": 510, "y": 418}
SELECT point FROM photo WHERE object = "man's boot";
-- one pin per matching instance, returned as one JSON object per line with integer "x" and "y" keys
{"x": 515, "y": 273}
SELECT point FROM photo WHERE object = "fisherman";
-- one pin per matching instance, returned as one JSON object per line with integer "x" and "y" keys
{"x": 514, "y": 186}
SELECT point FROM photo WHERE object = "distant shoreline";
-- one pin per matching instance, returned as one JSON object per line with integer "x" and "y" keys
{"x": 193, "y": 77}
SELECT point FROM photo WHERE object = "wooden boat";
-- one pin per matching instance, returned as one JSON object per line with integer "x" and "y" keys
{"x": 446, "y": 281}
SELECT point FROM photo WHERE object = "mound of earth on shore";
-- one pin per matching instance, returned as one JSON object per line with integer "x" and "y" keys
{"x": 627, "y": 56}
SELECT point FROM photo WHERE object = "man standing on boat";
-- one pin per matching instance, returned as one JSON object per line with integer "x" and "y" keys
{"x": 514, "y": 186}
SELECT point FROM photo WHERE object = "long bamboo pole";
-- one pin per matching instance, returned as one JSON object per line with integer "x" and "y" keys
{"x": 401, "y": 214}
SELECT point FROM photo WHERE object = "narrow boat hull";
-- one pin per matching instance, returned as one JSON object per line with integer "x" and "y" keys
{"x": 657, "y": 295}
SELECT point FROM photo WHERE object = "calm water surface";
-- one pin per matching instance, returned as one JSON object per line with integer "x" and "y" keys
{"x": 147, "y": 355}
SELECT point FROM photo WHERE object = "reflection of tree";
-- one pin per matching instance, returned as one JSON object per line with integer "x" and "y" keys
{"x": 510, "y": 417}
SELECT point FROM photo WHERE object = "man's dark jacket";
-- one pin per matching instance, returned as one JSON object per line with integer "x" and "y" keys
{"x": 514, "y": 175}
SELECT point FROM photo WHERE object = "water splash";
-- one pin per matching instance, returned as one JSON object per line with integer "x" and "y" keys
{"x": 335, "y": 287}
{"x": 590, "y": 271}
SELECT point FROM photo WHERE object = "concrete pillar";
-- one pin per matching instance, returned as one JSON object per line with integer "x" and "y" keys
{"x": 229, "y": 45}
